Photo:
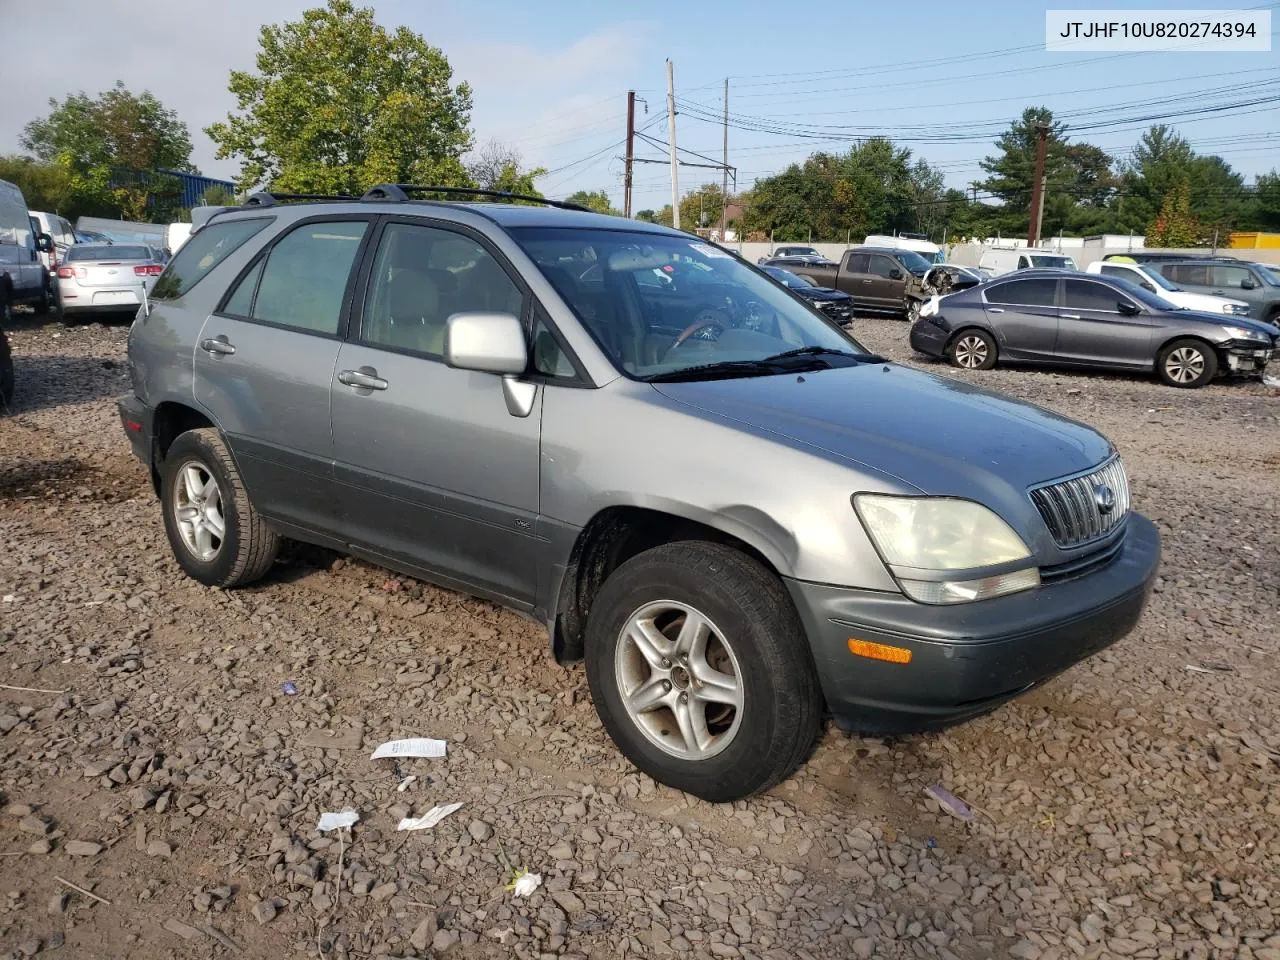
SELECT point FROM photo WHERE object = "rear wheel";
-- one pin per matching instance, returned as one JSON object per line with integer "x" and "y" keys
{"x": 216, "y": 534}
{"x": 972, "y": 350}
{"x": 6, "y": 364}
{"x": 43, "y": 305}
{"x": 700, "y": 670}
{"x": 1187, "y": 363}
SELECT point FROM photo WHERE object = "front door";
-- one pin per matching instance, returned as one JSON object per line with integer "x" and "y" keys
{"x": 886, "y": 290}
{"x": 435, "y": 472}
{"x": 263, "y": 363}
{"x": 1093, "y": 329}
{"x": 1024, "y": 315}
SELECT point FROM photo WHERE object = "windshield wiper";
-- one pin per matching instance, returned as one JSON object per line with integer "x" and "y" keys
{"x": 828, "y": 352}
{"x": 723, "y": 368}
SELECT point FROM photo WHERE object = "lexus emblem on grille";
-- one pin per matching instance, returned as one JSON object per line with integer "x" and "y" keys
{"x": 1104, "y": 498}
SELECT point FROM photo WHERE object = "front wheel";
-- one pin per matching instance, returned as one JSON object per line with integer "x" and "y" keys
{"x": 217, "y": 536}
{"x": 700, "y": 671}
{"x": 972, "y": 350}
{"x": 912, "y": 313}
{"x": 1187, "y": 364}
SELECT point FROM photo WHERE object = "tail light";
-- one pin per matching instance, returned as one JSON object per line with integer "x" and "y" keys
{"x": 66, "y": 273}
{"x": 149, "y": 270}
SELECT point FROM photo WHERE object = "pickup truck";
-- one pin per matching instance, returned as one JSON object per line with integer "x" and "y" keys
{"x": 880, "y": 279}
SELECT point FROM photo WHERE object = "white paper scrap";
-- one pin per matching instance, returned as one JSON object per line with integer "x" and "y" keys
{"x": 336, "y": 821}
{"x": 430, "y": 818}
{"x": 413, "y": 747}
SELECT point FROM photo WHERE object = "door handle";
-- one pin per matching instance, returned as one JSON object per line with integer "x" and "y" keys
{"x": 868, "y": 280}
{"x": 995, "y": 309}
{"x": 219, "y": 344}
{"x": 1071, "y": 316}
{"x": 365, "y": 378}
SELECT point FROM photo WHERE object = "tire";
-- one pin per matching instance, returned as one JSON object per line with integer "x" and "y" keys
{"x": 1187, "y": 363}
{"x": 972, "y": 349}
{"x": 6, "y": 366}
{"x": 912, "y": 313}
{"x": 247, "y": 547}
{"x": 45, "y": 303}
{"x": 737, "y": 750}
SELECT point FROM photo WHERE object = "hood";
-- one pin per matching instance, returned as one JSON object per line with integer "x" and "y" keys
{"x": 1204, "y": 303}
{"x": 939, "y": 435}
{"x": 820, "y": 293}
{"x": 1260, "y": 327}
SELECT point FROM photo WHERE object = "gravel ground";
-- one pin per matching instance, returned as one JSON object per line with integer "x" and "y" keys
{"x": 1127, "y": 808}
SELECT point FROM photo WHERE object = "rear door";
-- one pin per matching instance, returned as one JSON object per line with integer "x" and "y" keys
{"x": 264, "y": 361}
{"x": 1093, "y": 329}
{"x": 1024, "y": 315}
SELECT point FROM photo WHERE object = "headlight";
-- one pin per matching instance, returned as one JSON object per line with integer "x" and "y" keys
{"x": 1237, "y": 309}
{"x": 922, "y": 537}
{"x": 1240, "y": 333}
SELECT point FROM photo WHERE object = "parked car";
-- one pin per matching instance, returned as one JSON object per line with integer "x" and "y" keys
{"x": 833, "y": 303}
{"x": 739, "y": 524}
{"x": 106, "y": 277}
{"x": 880, "y": 280}
{"x": 23, "y": 278}
{"x": 1052, "y": 317}
{"x": 62, "y": 233}
{"x": 947, "y": 278}
{"x": 1149, "y": 278}
{"x": 1154, "y": 256}
{"x": 999, "y": 261}
{"x": 807, "y": 253}
{"x": 1253, "y": 283}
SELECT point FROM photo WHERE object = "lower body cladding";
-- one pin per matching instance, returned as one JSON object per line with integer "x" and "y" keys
{"x": 933, "y": 666}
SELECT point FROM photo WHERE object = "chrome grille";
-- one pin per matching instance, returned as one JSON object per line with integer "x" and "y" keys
{"x": 1071, "y": 507}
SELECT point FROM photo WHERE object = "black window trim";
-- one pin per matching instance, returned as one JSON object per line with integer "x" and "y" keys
{"x": 997, "y": 284}
{"x": 267, "y": 221}
{"x": 344, "y": 311}
{"x": 530, "y": 306}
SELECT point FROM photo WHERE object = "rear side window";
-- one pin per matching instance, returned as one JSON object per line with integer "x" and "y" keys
{"x": 881, "y": 266}
{"x": 206, "y": 249}
{"x": 1188, "y": 274}
{"x": 1027, "y": 293}
{"x": 240, "y": 303}
{"x": 1083, "y": 295}
{"x": 305, "y": 278}
{"x": 857, "y": 263}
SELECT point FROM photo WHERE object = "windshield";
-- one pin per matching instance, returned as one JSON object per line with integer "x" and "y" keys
{"x": 913, "y": 261}
{"x": 728, "y": 314}
{"x": 1050, "y": 260}
{"x": 118, "y": 251}
{"x": 1156, "y": 277}
{"x": 786, "y": 277}
{"x": 1152, "y": 300}
{"x": 1270, "y": 275}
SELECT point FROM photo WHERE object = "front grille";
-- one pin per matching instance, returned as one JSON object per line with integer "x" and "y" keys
{"x": 1072, "y": 508}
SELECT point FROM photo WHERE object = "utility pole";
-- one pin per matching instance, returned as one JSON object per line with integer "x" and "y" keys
{"x": 671, "y": 138}
{"x": 631, "y": 136}
{"x": 724, "y": 190}
{"x": 1037, "y": 187}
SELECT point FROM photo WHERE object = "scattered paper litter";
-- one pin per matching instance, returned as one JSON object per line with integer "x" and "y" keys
{"x": 1271, "y": 381}
{"x": 949, "y": 802}
{"x": 336, "y": 821}
{"x": 413, "y": 747}
{"x": 405, "y": 783}
{"x": 430, "y": 818}
{"x": 525, "y": 883}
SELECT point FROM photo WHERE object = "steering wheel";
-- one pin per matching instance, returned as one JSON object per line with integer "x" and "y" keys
{"x": 695, "y": 328}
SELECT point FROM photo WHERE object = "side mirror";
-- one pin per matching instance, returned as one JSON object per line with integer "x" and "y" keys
{"x": 1248, "y": 284}
{"x": 487, "y": 342}
{"x": 1127, "y": 308}
{"x": 895, "y": 274}
{"x": 44, "y": 243}
{"x": 1149, "y": 287}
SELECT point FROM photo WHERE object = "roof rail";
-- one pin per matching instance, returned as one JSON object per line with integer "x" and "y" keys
{"x": 266, "y": 199}
{"x": 400, "y": 192}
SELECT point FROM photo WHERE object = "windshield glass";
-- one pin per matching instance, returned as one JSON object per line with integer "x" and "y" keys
{"x": 117, "y": 251}
{"x": 786, "y": 277}
{"x": 1270, "y": 274}
{"x": 1156, "y": 277}
{"x": 913, "y": 261}
{"x": 710, "y": 309}
{"x": 1051, "y": 260}
{"x": 1145, "y": 297}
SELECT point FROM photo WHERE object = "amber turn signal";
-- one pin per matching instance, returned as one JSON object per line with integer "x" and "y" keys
{"x": 879, "y": 651}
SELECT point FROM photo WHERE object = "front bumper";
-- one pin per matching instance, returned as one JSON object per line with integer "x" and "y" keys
{"x": 968, "y": 659}
{"x": 137, "y": 419}
{"x": 1249, "y": 358}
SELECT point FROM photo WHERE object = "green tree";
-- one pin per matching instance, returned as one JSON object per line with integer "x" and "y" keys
{"x": 338, "y": 104}
{"x": 217, "y": 196}
{"x": 111, "y": 147}
{"x": 701, "y": 207}
{"x": 46, "y": 186}
{"x": 1175, "y": 225}
{"x": 648, "y": 216}
{"x": 497, "y": 166}
{"x": 598, "y": 200}
{"x": 1267, "y": 210}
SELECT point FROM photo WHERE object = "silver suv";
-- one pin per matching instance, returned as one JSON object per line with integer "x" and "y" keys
{"x": 738, "y": 516}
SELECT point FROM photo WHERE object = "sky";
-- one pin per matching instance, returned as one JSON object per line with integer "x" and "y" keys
{"x": 550, "y": 78}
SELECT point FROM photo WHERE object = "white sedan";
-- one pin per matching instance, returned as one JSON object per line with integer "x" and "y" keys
{"x": 102, "y": 277}
{"x": 1149, "y": 278}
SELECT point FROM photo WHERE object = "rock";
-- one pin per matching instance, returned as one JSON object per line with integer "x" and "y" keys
{"x": 204, "y": 723}
{"x": 480, "y": 831}
{"x": 184, "y": 930}
{"x": 159, "y": 848}
{"x": 443, "y": 940}
{"x": 7, "y": 722}
{"x": 40, "y": 847}
{"x": 142, "y": 797}
{"x": 29, "y": 948}
{"x": 58, "y": 904}
{"x": 569, "y": 901}
{"x": 264, "y": 911}
{"x": 36, "y": 825}
{"x": 82, "y": 848}
{"x": 424, "y": 933}
{"x": 97, "y": 768}
{"x": 384, "y": 891}
{"x": 1024, "y": 950}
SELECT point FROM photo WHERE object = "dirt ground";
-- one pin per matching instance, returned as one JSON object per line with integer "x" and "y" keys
{"x": 1130, "y": 807}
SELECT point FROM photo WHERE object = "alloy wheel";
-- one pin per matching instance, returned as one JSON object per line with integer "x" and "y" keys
{"x": 197, "y": 506}
{"x": 971, "y": 352}
{"x": 679, "y": 680}
{"x": 1184, "y": 365}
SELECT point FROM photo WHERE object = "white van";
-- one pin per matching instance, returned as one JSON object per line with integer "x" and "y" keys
{"x": 23, "y": 278}
{"x": 1001, "y": 260}
{"x": 63, "y": 234}
{"x": 930, "y": 251}
{"x": 1149, "y": 278}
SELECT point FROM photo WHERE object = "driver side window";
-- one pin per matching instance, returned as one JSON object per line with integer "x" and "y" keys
{"x": 881, "y": 266}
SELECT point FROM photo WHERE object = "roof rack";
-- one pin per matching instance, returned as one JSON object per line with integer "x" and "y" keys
{"x": 266, "y": 199}
{"x": 399, "y": 192}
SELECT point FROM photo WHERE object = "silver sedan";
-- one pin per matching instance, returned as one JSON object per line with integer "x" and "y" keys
{"x": 103, "y": 277}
